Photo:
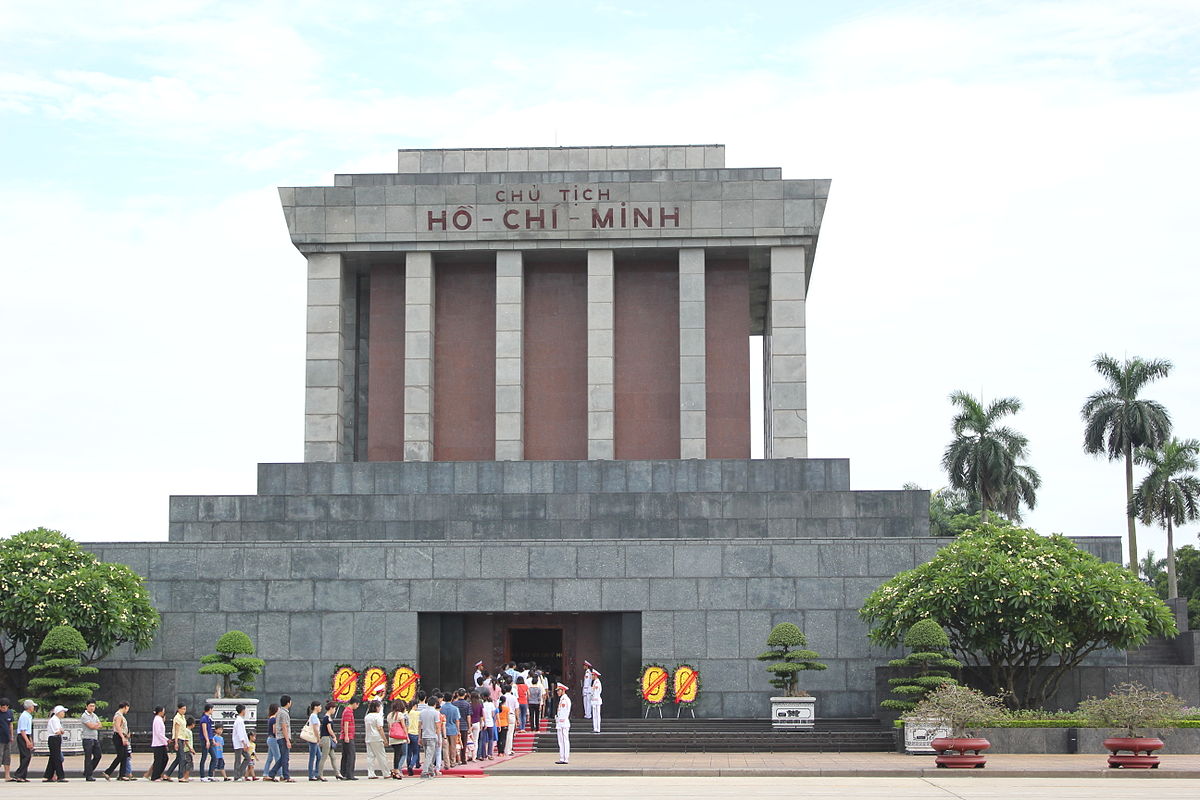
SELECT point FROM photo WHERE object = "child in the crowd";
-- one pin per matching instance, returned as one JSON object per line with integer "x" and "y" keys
{"x": 217, "y": 751}
{"x": 502, "y": 716}
{"x": 189, "y": 751}
{"x": 251, "y": 760}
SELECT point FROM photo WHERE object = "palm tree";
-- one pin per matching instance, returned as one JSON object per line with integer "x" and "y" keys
{"x": 1151, "y": 567}
{"x": 982, "y": 458}
{"x": 1170, "y": 494}
{"x": 1116, "y": 422}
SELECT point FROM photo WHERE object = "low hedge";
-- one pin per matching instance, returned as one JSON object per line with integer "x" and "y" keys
{"x": 1060, "y": 722}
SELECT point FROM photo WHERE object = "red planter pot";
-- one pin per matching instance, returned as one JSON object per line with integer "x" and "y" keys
{"x": 966, "y": 753}
{"x": 1140, "y": 752}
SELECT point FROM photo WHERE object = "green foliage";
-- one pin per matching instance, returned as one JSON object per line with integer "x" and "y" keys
{"x": 47, "y": 580}
{"x": 982, "y": 459}
{"x": 1170, "y": 494}
{"x": 234, "y": 662}
{"x": 1116, "y": 422}
{"x": 788, "y": 656}
{"x": 960, "y": 707}
{"x": 929, "y": 644}
{"x": 948, "y": 511}
{"x": 1187, "y": 571}
{"x": 1131, "y": 707}
{"x": 60, "y": 676}
{"x": 1021, "y": 608}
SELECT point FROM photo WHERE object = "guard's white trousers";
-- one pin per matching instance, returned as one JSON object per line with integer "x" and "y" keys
{"x": 564, "y": 744}
{"x": 596, "y": 717}
{"x": 587, "y": 704}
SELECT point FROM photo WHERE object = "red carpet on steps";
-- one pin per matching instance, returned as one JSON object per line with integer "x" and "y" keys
{"x": 524, "y": 742}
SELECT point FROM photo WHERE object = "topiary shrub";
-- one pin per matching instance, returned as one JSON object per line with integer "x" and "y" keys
{"x": 1131, "y": 707}
{"x": 789, "y": 656}
{"x": 60, "y": 678}
{"x": 929, "y": 644}
{"x": 234, "y": 662}
{"x": 960, "y": 707}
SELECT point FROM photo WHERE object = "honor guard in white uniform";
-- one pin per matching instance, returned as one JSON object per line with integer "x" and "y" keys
{"x": 562, "y": 724}
{"x": 597, "y": 700}
{"x": 478, "y": 674}
{"x": 587, "y": 689}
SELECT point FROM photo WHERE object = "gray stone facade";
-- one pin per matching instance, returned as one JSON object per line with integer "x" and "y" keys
{"x": 333, "y": 563}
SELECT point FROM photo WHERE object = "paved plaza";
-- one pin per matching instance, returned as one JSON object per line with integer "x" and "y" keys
{"x": 966, "y": 787}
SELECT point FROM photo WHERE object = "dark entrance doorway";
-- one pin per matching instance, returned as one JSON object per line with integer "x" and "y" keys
{"x": 450, "y": 644}
{"x": 542, "y": 646}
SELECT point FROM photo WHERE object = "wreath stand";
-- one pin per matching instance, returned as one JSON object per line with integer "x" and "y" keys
{"x": 680, "y": 709}
{"x": 656, "y": 705}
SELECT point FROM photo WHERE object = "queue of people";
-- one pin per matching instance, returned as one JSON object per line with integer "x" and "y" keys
{"x": 437, "y": 730}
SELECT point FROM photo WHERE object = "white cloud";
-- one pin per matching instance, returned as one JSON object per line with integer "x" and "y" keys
{"x": 1013, "y": 193}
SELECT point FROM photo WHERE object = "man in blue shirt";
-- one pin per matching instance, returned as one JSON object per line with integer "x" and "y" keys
{"x": 206, "y": 736}
{"x": 450, "y": 745}
{"x": 25, "y": 742}
{"x": 6, "y": 735}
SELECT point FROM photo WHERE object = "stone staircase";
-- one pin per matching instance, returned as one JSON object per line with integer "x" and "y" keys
{"x": 724, "y": 736}
{"x": 1157, "y": 652}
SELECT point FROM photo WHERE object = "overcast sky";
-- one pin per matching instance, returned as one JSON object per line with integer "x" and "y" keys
{"x": 1014, "y": 191}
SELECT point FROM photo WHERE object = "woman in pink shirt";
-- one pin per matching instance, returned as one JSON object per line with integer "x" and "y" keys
{"x": 158, "y": 744}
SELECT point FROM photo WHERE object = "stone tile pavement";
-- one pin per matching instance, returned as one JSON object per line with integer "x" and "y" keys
{"x": 835, "y": 765}
{"x": 974, "y": 787}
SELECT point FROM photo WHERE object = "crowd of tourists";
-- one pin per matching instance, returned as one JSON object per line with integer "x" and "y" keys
{"x": 435, "y": 731}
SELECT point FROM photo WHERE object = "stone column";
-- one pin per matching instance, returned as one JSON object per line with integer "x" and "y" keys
{"x": 324, "y": 419}
{"x": 601, "y": 418}
{"x": 418, "y": 357}
{"x": 785, "y": 381}
{"x": 510, "y": 316}
{"x": 693, "y": 434}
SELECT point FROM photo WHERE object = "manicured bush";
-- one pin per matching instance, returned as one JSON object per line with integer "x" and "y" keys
{"x": 60, "y": 676}
{"x": 789, "y": 657}
{"x": 929, "y": 644}
{"x": 234, "y": 662}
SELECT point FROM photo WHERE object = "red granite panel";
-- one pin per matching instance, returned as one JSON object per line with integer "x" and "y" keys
{"x": 727, "y": 357}
{"x": 464, "y": 369}
{"x": 385, "y": 364}
{"x": 647, "y": 358}
{"x": 555, "y": 361}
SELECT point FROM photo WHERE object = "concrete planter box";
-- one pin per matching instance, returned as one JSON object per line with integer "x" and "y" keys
{"x": 793, "y": 712}
{"x": 72, "y": 744}
{"x": 1179, "y": 741}
{"x": 225, "y": 709}
{"x": 919, "y": 735}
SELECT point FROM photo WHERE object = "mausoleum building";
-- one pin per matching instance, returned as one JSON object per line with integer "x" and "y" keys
{"x": 527, "y": 437}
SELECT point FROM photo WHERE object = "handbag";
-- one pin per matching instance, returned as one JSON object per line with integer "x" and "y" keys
{"x": 306, "y": 733}
{"x": 396, "y": 731}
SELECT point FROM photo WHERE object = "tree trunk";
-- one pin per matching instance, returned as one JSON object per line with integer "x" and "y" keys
{"x": 1172, "y": 586}
{"x": 1129, "y": 520}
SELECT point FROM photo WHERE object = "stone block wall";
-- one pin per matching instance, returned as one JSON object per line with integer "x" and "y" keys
{"x": 309, "y": 606}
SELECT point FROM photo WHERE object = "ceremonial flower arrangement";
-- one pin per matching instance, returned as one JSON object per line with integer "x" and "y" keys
{"x": 685, "y": 685}
{"x": 654, "y": 684}
{"x": 374, "y": 683}
{"x": 405, "y": 681}
{"x": 343, "y": 683}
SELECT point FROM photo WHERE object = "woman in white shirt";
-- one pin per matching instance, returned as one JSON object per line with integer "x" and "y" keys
{"x": 374, "y": 734}
{"x": 54, "y": 737}
{"x": 489, "y": 727}
{"x": 313, "y": 737}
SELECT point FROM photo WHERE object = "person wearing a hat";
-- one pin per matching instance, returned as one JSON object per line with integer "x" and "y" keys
{"x": 597, "y": 699}
{"x": 562, "y": 724}
{"x": 54, "y": 736}
{"x": 587, "y": 689}
{"x": 478, "y": 673}
{"x": 24, "y": 741}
